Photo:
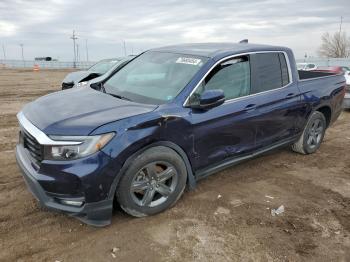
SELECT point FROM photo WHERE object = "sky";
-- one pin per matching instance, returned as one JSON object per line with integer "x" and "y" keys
{"x": 44, "y": 27}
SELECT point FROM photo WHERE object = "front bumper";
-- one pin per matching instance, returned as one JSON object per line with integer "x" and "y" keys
{"x": 94, "y": 213}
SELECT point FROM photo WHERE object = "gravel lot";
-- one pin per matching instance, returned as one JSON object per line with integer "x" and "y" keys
{"x": 227, "y": 217}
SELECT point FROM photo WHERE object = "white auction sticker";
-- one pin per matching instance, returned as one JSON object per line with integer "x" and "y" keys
{"x": 188, "y": 60}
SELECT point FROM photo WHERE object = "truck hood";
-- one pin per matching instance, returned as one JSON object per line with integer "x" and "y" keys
{"x": 78, "y": 111}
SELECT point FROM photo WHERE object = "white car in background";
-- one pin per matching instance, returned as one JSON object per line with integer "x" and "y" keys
{"x": 306, "y": 66}
{"x": 347, "y": 77}
{"x": 346, "y": 103}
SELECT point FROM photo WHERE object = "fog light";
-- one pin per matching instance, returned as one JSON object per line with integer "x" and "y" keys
{"x": 72, "y": 202}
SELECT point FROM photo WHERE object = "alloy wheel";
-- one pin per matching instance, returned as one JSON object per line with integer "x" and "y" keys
{"x": 315, "y": 133}
{"x": 153, "y": 184}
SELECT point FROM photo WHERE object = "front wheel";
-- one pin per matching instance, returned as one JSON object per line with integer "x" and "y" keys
{"x": 154, "y": 182}
{"x": 312, "y": 136}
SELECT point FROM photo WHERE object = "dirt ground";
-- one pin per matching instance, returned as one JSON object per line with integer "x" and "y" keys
{"x": 226, "y": 218}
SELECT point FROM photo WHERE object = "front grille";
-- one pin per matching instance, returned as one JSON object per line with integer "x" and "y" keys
{"x": 67, "y": 85}
{"x": 33, "y": 146}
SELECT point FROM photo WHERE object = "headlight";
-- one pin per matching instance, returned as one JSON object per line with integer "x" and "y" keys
{"x": 81, "y": 84}
{"x": 83, "y": 146}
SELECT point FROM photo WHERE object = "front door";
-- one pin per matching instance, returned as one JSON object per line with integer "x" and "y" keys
{"x": 228, "y": 130}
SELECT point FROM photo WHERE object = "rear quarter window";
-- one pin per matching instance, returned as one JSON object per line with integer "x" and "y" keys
{"x": 284, "y": 69}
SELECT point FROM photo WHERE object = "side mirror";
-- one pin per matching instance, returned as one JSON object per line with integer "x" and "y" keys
{"x": 210, "y": 99}
{"x": 96, "y": 86}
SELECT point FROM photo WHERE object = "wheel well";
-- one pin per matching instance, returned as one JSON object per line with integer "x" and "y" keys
{"x": 326, "y": 111}
{"x": 191, "y": 182}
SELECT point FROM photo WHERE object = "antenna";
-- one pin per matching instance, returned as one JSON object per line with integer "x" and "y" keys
{"x": 244, "y": 41}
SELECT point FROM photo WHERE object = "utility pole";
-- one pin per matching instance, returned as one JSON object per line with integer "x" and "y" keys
{"x": 78, "y": 58}
{"x": 74, "y": 37}
{"x": 21, "y": 45}
{"x": 87, "y": 50}
{"x": 3, "y": 50}
{"x": 341, "y": 23}
{"x": 339, "y": 45}
{"x": 124, "y": 47}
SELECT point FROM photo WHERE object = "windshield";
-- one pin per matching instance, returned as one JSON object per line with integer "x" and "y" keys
{"x": 103, "y": 66}
{"x": 154, "y": 77}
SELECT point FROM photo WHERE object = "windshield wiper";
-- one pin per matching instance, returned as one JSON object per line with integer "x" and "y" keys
{"x": 120, "y": 97}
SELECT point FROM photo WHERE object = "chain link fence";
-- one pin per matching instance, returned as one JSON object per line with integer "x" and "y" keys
{"x": 44, "y": 64}
{"x": 326, "y": 61}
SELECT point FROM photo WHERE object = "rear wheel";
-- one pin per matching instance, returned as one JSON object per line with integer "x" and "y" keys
{"x": 312, "y": 136}
{"x": 154, "y": 182}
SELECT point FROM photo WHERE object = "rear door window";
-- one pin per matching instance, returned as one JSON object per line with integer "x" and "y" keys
{"x": 269, "y": 71}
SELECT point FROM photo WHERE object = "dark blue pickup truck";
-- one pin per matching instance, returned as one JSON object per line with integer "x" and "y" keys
{"x": 168, "y": 118}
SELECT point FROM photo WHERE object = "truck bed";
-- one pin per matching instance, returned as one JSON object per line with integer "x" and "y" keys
{"x": 305, "y": 75}
{"x": 323, "y": 88}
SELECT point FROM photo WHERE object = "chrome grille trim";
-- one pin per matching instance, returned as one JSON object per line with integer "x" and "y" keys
{"x": 38, "y": 135}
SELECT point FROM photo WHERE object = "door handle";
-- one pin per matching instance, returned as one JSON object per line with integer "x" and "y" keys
{"x": 250, "y": 107}
{"x": 290, "y": 95}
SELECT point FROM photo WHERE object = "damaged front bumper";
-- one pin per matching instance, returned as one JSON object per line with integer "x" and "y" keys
{"x": 94, "y": 213}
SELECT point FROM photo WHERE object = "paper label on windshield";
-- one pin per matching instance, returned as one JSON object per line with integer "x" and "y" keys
{"x": 188, "y": 61}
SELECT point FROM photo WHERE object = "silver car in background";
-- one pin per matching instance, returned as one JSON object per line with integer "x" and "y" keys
{"x": 306, "y": 66}
{"x": 102, "y": 67}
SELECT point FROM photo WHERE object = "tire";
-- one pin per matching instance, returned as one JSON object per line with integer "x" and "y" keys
{"x": 313, "y": 134}
{"x": 153, "y": 182}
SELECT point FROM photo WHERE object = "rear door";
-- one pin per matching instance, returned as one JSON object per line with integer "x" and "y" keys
{"x": 276, "y": 97}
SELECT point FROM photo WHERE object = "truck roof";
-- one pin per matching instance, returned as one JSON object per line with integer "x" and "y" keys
{"x": 217, "y": 49}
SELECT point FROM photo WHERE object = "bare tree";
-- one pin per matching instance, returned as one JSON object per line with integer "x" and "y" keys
{"x": 335, "y": 46}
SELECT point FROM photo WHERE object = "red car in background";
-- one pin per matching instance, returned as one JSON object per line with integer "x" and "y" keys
{"x": 329, "y": 69}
